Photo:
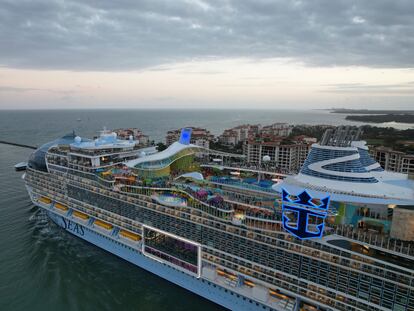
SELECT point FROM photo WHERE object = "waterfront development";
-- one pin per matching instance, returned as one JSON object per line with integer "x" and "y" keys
{"x": 337, "y": 235}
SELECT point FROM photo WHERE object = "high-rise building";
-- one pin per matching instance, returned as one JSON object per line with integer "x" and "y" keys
{"x": 288, "y": 157}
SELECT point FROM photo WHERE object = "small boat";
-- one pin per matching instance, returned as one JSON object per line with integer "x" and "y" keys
{"x": 20, "y": 166}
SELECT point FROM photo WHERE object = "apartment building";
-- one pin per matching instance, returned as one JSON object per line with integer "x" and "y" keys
{"x": 288, "y": 157}
{"x": 277, "y": 129}
{"x": 235, "y": 135}
{"x": 394, "y": 161}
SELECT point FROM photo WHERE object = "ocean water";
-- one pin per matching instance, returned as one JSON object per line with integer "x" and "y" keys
{"x": 37, "y": 127}
{"x": 45, "y": 268}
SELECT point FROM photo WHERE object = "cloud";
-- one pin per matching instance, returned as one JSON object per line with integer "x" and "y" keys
{"x": 107, "y": 35}
{"x": 12, "y": 89}
{"x": 406, "y": 88}
{"x": 16, "y": 89}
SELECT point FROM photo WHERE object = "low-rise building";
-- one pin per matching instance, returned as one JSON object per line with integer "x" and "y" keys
{"x": 277, "y": 129}
{"x": 394, "y": 161}
{"x": 235, "y": 135}
{"x": 135, "y": 133}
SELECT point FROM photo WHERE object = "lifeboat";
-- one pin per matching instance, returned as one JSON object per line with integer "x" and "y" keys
{"x": 129, "y": 235}
{"x": 103, "y": 224}
{"x": 277, "y": 294}
{"x": 80, "y": 215}
{"x": 249, "y": 283}
{"x": 45, "y": 200}
{"x": 226, "y": 274}
{"x": 61, "y": 207}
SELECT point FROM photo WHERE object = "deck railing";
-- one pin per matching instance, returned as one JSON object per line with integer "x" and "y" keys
{"x": 375, "y": 239}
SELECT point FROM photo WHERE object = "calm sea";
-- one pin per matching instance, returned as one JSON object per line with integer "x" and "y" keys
{"x": 37, "y": 127}
{"x": 44, "y": 268}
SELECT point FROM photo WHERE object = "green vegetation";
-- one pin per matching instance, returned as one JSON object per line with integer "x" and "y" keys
{"x": 161, "y": 146}
{"x": 381, "y": 118}
{"x": 311, "y": 131}
{"x": 225, "y": 148}
{"x": 401, "y": 140}
{"x": 367, "y": 111}
{"x": 375, "y": 141}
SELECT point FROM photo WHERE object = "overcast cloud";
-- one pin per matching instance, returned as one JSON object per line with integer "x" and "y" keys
{"x": 113, "y": 35}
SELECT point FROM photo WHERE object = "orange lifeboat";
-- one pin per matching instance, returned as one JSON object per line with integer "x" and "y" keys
{"x": 80, "y": 215}
{"x": 61, "y": 207}
{"x": 45, "y": 200}
{"x": 103, "y": 224}
{"x": 129, "y": 235}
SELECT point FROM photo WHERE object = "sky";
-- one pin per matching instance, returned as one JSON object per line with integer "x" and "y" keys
{"x": 259, "y": 54}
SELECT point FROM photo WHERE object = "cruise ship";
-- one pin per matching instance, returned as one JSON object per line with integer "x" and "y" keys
{"x": 339, "y": 235}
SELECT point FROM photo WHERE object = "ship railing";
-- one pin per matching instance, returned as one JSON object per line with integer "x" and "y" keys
{"x": 147, "y": 190}
{"x": 336, "y": 191}
{"x": 371, "y": 238}
{"x": 233, "y": 198}
{"x": 248, "y": 198}
{"x": 251, "y": 219}
{"x": 106, "y": 215}
{"x": 241, "y": 185}
{"x": 91, "y": 168}
{"x": 375, "y": 239}
{"x": 102, "y": 152}
{"x": 95, "y": 177}
{"x": 144, "y": 194}
{"x": 159, "y": 164}
{"x": 270, "y": 218}
{"x": 265, "y": 228}
{"x": 260, "y": 169}
{"x": 203, "y": 206}
{"x": 56, "y": 152}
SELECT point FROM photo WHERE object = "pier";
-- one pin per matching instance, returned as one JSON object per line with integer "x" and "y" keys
{"x": 17, "y": 144}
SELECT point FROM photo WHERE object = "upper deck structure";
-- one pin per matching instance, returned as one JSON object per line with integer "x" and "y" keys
{"x": 343, "y": 167}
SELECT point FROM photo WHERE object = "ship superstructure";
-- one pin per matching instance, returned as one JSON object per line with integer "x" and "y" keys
{"x": 246, "y": 239}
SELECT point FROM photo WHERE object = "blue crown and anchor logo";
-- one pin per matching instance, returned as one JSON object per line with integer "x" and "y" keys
{"x": 304, "y": 208}
{"x": 185, "y": 136}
